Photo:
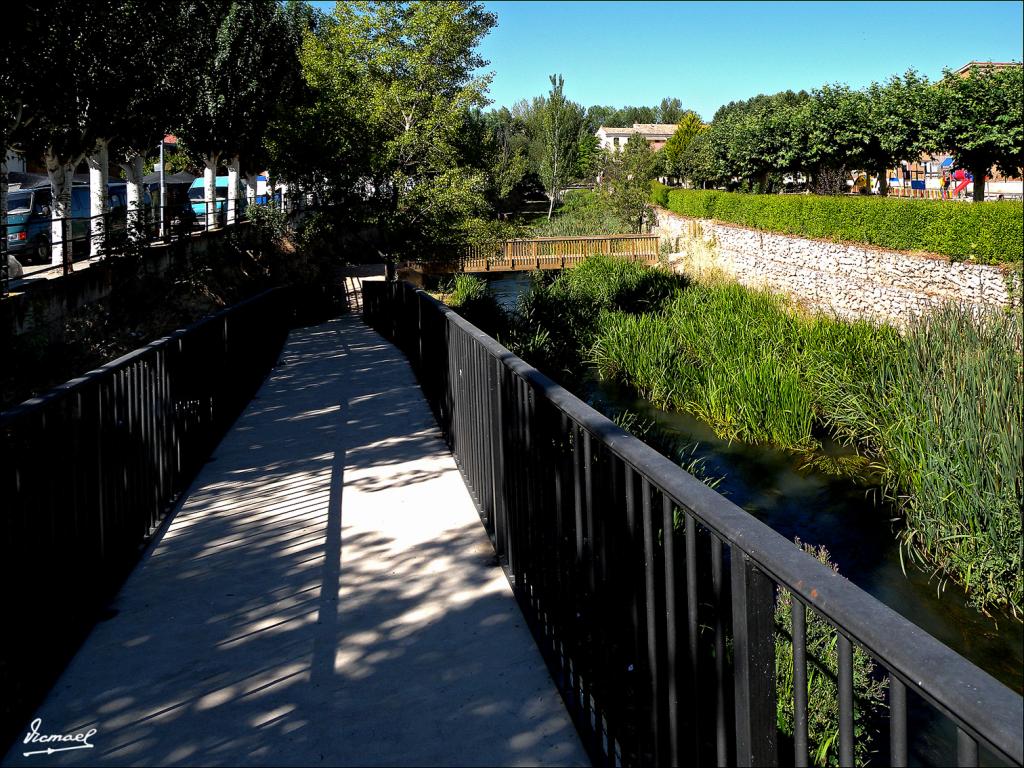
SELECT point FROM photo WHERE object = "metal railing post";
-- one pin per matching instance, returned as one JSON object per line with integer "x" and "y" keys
{"x": 753, "y": 612}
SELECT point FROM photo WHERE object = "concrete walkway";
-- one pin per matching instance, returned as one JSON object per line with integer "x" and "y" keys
{"x": 325, "y": 595}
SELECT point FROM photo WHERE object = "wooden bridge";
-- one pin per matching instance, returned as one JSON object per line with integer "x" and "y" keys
{"x": 546, "y": 253}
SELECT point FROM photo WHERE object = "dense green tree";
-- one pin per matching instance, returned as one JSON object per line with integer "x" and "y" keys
{"x": 626, "y": 180}
{"x": 393, "y": 87}
{"x": 700, "y": 164}
{"x": 758, "y": 139}
{"x": 505, "y": 145}
{"x": 981, "y": 121}
{"x": 73, "y": 86}
{"x": 245, "y": 44}
{"x": 588, "y": 157}
{"x": 689, "y": 125}
{"x": 154, "y": 88}
{"x": 670, "y": 111}
{"x": 900, "y": 112}
{"x": 837, "y": 127}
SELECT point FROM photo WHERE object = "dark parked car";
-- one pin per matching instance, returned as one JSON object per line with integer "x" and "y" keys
{"x": 29, "y": 218}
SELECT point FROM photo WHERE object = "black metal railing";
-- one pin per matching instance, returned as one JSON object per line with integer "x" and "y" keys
{"x": 89, "y": 469}
{"x": 653, "y": 598}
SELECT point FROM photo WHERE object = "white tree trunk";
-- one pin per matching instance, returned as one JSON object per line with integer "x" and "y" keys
{"x": 99, "y": 174}
{"x": 233, "y": 166}
{"x": 251, "y": 182}
{"x": 210, "y": 187}
{"x": 60, "y": 206}
{"x": 136, "y": 208}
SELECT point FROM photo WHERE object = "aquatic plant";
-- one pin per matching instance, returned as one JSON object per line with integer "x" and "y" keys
{"x": 472, "y": 298}
{"x": 943, "y": 411}
{"x": 726, "y": 354}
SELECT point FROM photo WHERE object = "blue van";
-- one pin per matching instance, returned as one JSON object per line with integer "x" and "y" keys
{"x": 197, "y": 198}
{"x": 29, "y": 223}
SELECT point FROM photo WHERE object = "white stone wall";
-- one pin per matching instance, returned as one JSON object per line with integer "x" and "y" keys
{"x": 850, "y": 280}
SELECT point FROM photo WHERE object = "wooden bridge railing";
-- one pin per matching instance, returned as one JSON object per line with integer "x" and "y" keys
{"x": 557, "y": 252}
{"x": 543, "y": 253}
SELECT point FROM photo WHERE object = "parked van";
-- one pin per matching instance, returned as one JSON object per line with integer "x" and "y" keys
{"x": 197, "y": 196}
{"x": 29, "y": 218}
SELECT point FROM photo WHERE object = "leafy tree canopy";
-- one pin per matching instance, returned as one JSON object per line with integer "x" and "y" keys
{"x": 626, "y": 180}
{"x": 690, "y": 125}
{"x": 394, "y": 87}
{"x": 980, "y": 121}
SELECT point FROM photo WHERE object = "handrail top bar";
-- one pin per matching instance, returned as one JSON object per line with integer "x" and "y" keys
{"x": 107, "y": 369}
{"x": 551, "y": 238}
{"x": 963, "y": 691}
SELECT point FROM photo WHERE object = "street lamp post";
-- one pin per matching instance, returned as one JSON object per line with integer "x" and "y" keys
{"x": 163, "y": 190}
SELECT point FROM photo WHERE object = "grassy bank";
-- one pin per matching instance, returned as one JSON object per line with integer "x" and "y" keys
{"x": 988, "y": 233}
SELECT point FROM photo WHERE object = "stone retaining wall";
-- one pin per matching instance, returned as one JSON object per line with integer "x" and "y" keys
{"x": 850, "y": 280}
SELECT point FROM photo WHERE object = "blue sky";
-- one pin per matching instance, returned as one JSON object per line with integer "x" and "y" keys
{"x": 710, "y": 53}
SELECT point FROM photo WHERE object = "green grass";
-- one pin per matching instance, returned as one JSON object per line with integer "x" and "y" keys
{"x": 988, "y": 233}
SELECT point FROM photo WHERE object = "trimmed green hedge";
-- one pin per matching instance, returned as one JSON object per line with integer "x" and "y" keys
{"x": 988, "y": 233}
{"x": 659, "y": 194}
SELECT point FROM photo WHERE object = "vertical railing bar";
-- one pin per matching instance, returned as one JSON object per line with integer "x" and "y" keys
{"x": 654, "y": 679}
{"x": 897, "y": 722}
{"x": 845, "y": 700}
{"x": 966, "y": 749}
{"x": 587, "y": 687}
{"x": 800, "y": 755}
{"x": 692, "y": 635}
{"x": 721, "y": 737}
{"x": 675, "y": 753}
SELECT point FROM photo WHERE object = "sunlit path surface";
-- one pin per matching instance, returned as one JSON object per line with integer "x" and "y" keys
{"x": 326, "y": 595}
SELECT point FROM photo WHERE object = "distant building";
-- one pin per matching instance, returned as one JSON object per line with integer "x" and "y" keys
{"x": 970, "y": 65}
{"x": 614, "y": 139}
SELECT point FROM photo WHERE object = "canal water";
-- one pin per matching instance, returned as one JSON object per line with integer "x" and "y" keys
{"x": 848, "y": 518}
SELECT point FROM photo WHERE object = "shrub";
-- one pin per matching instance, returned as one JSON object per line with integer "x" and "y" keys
{"x": 989, "y": 233}
{"x": 472, "y": 298}
{"x": 659, "y": 193}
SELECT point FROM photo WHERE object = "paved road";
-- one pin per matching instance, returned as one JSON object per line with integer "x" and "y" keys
{"x": 325, "y": 595}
